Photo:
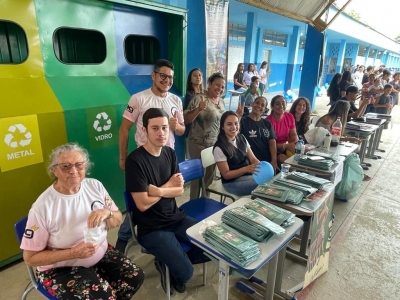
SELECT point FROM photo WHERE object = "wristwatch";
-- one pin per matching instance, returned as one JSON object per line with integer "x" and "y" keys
{"x": 110, "y": 215}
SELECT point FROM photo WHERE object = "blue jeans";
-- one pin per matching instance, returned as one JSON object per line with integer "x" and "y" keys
{"x": 124, "y": 232}
{"x": 164, "y": 245}
{"x": 242, "y": 186}
{"x": 262, "y": 87}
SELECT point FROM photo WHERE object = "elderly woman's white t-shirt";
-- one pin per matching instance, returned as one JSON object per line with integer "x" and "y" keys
{"x": 57, "y": 221}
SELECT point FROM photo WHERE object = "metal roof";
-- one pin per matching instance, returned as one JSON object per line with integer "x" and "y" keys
{"x": 307, "y": 11}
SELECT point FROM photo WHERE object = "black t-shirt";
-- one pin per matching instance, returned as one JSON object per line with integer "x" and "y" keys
{"x": 343, "y": 86}
{"x": 352, "y": 108}
{"x": 239, "y": 77}
{"x": 365, "y": 78}
{"x": 258, "y": 134}
{"x": 142, "y": 169}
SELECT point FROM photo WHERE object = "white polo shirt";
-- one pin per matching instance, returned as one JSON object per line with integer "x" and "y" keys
{"x": 142, "y": 101}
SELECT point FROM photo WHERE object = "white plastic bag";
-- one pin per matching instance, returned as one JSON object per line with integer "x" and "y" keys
{"x": 316, "y": 136}
{"x": 92, "y": 235}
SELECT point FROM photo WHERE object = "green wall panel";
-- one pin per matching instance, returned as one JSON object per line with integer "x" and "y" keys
{"x": 84, "y": 92}
{"x": 84, "y": 14}
{"x": 80, "y": 96}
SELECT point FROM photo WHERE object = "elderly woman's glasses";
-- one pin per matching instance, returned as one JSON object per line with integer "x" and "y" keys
{"x": 66, "y": 167}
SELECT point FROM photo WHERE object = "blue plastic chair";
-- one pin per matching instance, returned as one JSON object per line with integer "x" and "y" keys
{"x": 19, "y": 228}
{"x": 203, "y": 207}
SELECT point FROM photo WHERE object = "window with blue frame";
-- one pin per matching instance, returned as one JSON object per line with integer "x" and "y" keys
{"x": 13, "y": 43}
{"x": 302, "y": 41}
{"x": 79, "y": 46}
{"x": 237, "y": 32}
{"x": 141, "y": 50}
{"x": 361, "y": 50}
{"x": 274, "y": 38}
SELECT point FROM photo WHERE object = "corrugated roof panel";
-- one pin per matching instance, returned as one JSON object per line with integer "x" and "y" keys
{"x": 308, "y": 11}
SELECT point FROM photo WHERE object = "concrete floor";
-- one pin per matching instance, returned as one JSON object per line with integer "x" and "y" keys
{"x": 364, "y": 255}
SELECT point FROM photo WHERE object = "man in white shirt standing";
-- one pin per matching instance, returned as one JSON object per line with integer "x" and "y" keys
{"x": 358, "y": 76}
{"x": 158, "y": 97}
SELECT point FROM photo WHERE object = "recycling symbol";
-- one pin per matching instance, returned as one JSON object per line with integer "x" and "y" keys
{"x": 9, "y": 138}
{"x": 99, "y": 117}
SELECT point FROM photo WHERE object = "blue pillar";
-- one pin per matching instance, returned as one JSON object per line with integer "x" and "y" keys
{"x": 311, "y": 64}
{"x": 196, "y": 37}
{"x": 251, "y": 38}
{"x": 384, "y": 58}
{"x": 375, "y": 55}
{"x": 366, "y": 55}
{"x": 340, "y": 58}
{"x": 292, "y": 58}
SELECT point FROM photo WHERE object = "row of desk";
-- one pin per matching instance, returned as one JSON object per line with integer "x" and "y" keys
{"x": 313, "y": 221}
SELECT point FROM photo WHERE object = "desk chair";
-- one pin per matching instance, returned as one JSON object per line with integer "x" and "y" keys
{"x": 19, "y": 228}
{"x": 207, "y": 159}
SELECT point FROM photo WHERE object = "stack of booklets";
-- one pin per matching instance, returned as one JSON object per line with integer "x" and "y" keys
{"x": 305, "y": 178}
{"x": 278, "y": 193}
{"x": 237, "y": 247}
{"x": 251, "y": 223}
{"x": 288, "y": 183}
{"x": 323, "y": 153}
{"x": 357, "y": 126}
{"x": 373, "y": 120}
{"x": 274, "y": 213}
{"x": 322, "y": 164}
{"x": 383, "y": 116}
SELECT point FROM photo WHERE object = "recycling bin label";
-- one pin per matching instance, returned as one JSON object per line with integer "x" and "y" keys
{"x": 102, "y": 126}
{"x": 20, "y": 142}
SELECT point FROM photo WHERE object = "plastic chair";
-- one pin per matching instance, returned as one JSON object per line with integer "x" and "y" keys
{"x": 207, "y": 159}
{"x": 19, "y": 228}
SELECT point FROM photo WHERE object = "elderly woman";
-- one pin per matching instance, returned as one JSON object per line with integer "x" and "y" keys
{"x": 260, "y": 133}
{"x": 284, "y": 126}
{"x": 67, "y": 239}
{"x": 203, "y": 113}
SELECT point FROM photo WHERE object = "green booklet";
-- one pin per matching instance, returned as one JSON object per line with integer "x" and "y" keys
{"x": 271, "y": 192}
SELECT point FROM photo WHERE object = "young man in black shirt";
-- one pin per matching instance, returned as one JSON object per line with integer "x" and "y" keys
{"x": 351, "y": 96}
{"x": 153, "y": 178}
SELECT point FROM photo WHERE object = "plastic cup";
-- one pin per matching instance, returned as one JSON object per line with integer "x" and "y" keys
{"x": 285, "y": 168}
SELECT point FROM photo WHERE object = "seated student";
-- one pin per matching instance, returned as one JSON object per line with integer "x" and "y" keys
{"x": 260, "y": 133}
{"x": 340, "y": 109}
{"x": 238, "y": 83}
{"x": 235, "y": 160}
{"x": 161, "y": 224}
{"x": 252, "y": 95}
{"x": 384, "y": 104}
{"x": 256, "y": 80}
{"x": 301, "y": 110}
{"x": 351, "y": 96}
{"x": 284, "y": 126}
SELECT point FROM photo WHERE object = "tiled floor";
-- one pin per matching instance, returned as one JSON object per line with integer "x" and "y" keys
{"x": 364, "y": 256}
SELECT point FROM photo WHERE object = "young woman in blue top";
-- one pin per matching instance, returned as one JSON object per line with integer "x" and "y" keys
{"x": 235, "y": 160}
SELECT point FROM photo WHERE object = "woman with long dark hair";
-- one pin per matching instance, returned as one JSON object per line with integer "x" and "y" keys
{"x": 203, "y": 113}
{"x": 301, "y": 110}
{"x": 235, "y": 160}
{"x": 285, "y": 128}
{"x": 345, "y": 83}
{"x": 263, "y": 73}
{"x": 333, "y": 89}
{"x": 194, "y": 85}
{"x": 238, "y": 83}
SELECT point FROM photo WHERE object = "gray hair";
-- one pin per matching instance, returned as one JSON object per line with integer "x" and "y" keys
{"x": 70, "y": 147}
